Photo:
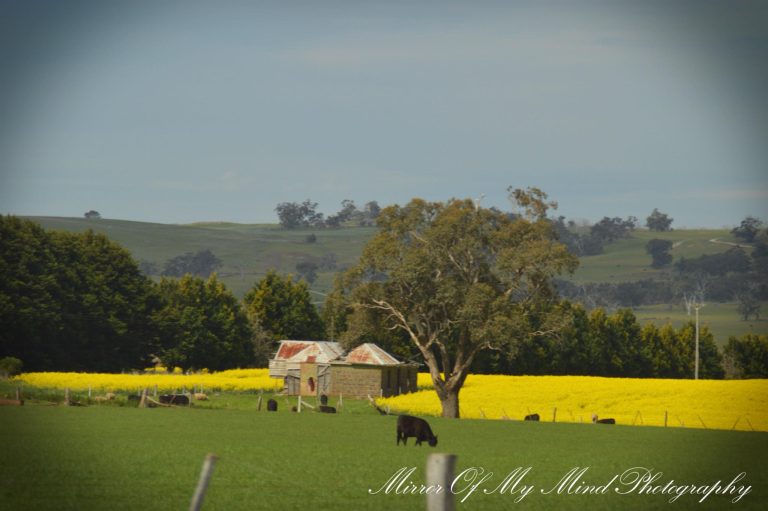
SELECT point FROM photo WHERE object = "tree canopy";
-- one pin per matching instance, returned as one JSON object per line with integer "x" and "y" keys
{"x": 458, "y": 279}
{"x": 283, "y": 308}
{"x": 201, "y": 325}
{"x": 71, "y": 301}
{"x": 658, "y": 221}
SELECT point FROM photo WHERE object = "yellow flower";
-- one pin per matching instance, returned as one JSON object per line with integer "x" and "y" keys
{"x": 713, "y": 404}
{"x": 235, "y": 380}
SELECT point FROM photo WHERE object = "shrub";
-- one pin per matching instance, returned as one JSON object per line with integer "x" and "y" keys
{"x": 10, "y": 366}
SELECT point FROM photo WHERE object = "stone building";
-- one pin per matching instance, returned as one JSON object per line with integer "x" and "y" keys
{"x": 311, "y": 368}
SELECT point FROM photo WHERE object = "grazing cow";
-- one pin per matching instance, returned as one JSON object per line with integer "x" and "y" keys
{"x": 532, "y": 417}
{"x": 602, "y": 421}
{"x": 174, "y": 399}
{"x": 326, "y": 409}
{"x": 134, "y": 397}
{"x": 271, "y": 405}
{"x": 408, "y": 426}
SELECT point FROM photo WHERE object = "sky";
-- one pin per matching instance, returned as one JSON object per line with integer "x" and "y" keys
{"x": 177, "y": 112}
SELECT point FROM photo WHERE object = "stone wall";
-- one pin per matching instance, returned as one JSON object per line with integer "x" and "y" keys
{"x": 356, "y": 381}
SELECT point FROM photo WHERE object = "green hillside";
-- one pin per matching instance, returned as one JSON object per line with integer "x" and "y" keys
{"x": 626, "y": 260}
{"x": 248, "y": 251}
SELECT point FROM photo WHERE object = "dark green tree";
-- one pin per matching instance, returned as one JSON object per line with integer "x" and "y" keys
{"x": 612, "y": 229}
{"x": 659, "y": 251}
{"x": 71, "y": 301}
{"x": 748, "y": 229}
{"x": 458, "y": 279}
{"x": 284, "y": 308}
{"x": 201, "y": 264}
{"x": 293, "y": 215}
{"x": 747, "y": 356}
{"x": 658, "y": 221}
{"x": 710, "y": 358}
{"x": 201, "y": 325}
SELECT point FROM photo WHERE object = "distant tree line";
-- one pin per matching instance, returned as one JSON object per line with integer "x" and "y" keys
{"x": 304, "y": 215}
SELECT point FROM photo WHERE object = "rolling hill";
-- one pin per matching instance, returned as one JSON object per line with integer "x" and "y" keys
{"x": 248, "y": 251}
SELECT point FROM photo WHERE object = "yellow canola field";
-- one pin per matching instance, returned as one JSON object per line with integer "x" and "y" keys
{"x": 713, "y": 404}
{"x": 231, "y": 380}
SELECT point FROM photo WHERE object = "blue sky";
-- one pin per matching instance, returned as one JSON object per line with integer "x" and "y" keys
{"x": 178, "y": 112}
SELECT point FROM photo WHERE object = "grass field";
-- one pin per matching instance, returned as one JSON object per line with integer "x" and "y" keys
{"x": 626, "y": 260}
{"x": 126, "y": 458}
{"x": 249, "y": 250}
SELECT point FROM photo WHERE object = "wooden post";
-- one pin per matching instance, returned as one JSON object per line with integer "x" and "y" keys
{"x": 18, "y": 394}
{"x": 258, "y": 405}
{"x": 665, "y": 419}
{"x": 299, "y": 407}
{"x": 554, "y": 414}
{"x": 202, "y": 483}
{"x": 89, "y": 392}
{"x": 143, "y": 400}
{"x": 440, "y": 468}
{"x": 341, "y": 400}
{"x": 66, "y": 397}
{"x": 155, "y": 390}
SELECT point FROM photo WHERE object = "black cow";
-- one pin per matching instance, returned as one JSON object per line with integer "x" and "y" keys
{"x": 532, "y": 417}
{"x": 323, "y": 399}
{"x": 174, "y": 399}
{"x": 134, "y": 397}
{"x": 408, "y": 426}
{"x": 271, "y": 405}
{"x": 326, "y": 409}
{"x": 602, "y": 421}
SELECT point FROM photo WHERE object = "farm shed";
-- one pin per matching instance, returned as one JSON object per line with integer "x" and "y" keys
{"x": 310, "y": 368}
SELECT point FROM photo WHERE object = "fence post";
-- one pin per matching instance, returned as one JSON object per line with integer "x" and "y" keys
{"x": 258, "y": 405}
{"x": 202, "y": 483}
{"x": 665, "y": 418}
{"x": 143, "y": 400}
{"x": 66, "y": 397}
{"x": 18, "y": 394}
{"x": 299, "y": 407}
{"x": 440, "y": 468}
{"x": 554, "y": 414}
{"x": 155, "y": 390}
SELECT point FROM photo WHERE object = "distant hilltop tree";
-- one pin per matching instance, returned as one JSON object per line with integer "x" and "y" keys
{"x": 294, "y": 215}
{"x": 658, "y": 221}
{"x": 92, "y": 215}
{"x": 201, "y": 264}
{"x": 748, "y": 229}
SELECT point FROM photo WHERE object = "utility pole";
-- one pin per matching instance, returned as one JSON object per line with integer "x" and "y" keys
{"x": 697, "y": 306}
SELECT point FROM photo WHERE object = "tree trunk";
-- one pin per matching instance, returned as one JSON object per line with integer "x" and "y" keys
{"x": 449, "y": 400}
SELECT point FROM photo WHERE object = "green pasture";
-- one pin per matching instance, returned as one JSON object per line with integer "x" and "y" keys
{"x": 722, "y": 319}
{"x": 626, "y": 260}
{"x": 111, "y": 457}
{"x": 249, "y": 250}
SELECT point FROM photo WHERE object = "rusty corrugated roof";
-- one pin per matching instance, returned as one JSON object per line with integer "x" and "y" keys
{"x": 369, "y": 353}
{"x": 302, "y": 351}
